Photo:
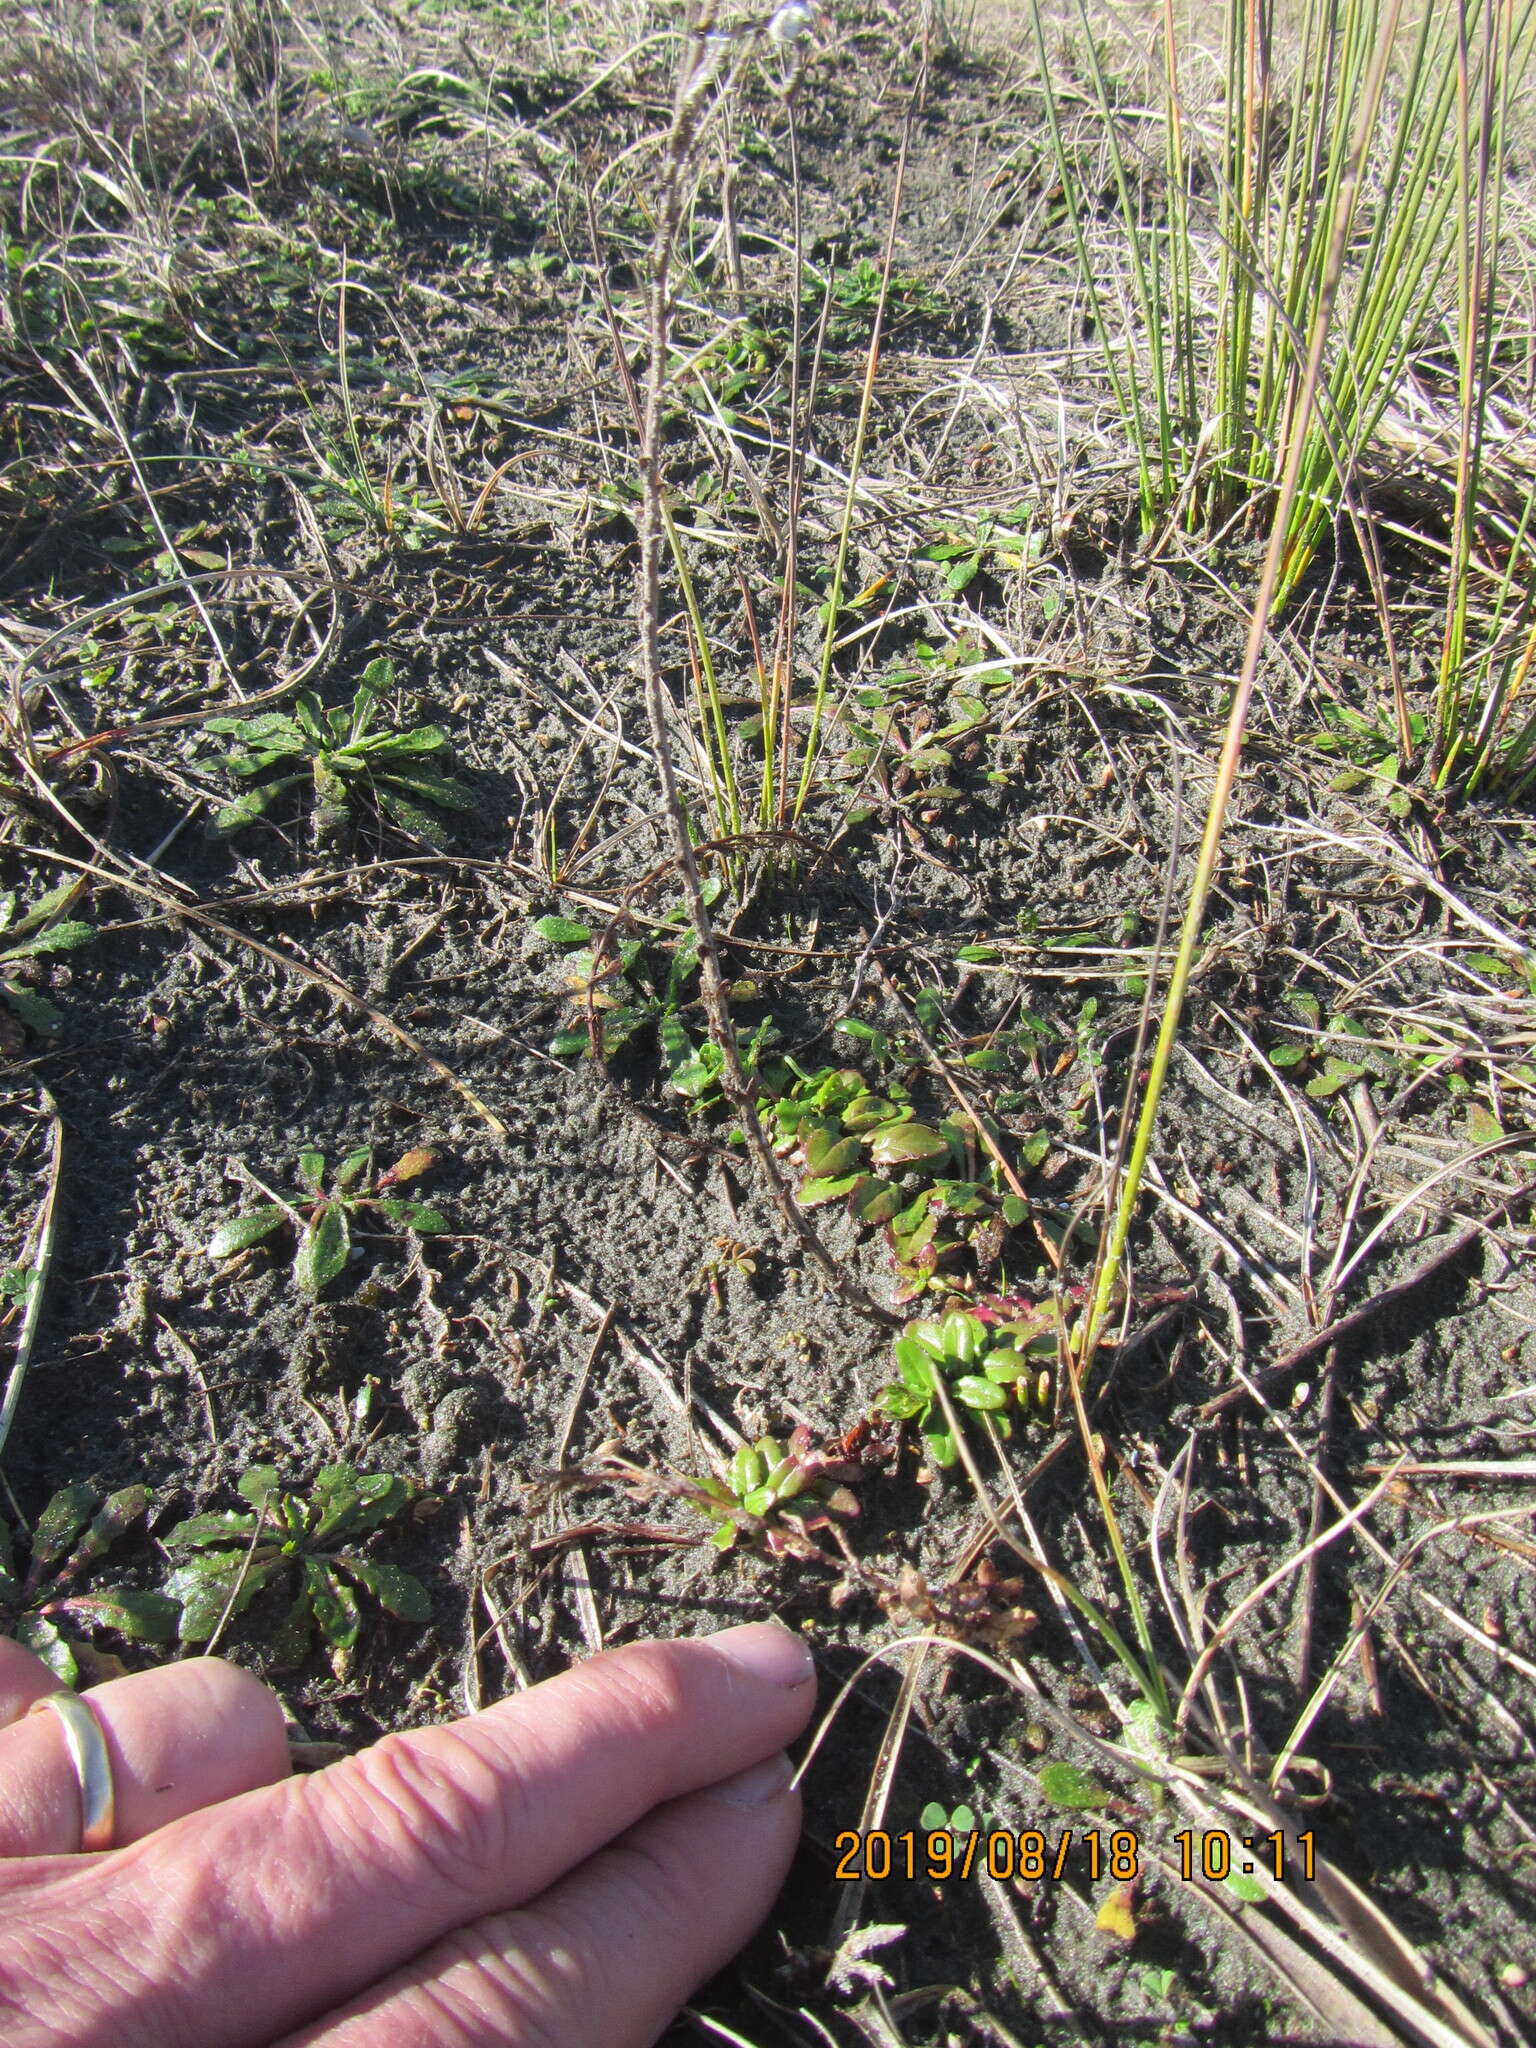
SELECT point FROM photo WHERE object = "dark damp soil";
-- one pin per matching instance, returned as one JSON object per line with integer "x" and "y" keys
{"x": 615, "y": 1283}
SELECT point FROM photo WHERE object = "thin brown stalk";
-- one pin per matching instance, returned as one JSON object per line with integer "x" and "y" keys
{"x": 696, "y": 78}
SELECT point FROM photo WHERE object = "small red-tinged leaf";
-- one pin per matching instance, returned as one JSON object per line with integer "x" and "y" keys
{"x": 417, "y": 1216}
{"x": 113, "y": 1519}
{"x": 828, "y": 1154}
{"x": 323, "y": 1251}
{"x": 1336, "y": 1074}
{"x": 905, "y": 1144}
{"x": 142, "y": 1617}
{"x": 244, "y": 1231}
{"x": 202, "y": 1532}
{"x": 353, "y": 1167}
{"x": 411, "y": 1167}
{"x": 398, "y": 1591}
{"x": 874, "y": 1200}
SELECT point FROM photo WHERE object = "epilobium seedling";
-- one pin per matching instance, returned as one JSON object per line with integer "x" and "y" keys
{"x": 621, "y": 989}
{"x": 48, "y": 1608}
{"x": 284, "y": 1538}
{"x": 346, "y": 761}
{"x": 25, "y": 939}
{"x": 324, "y": 1219}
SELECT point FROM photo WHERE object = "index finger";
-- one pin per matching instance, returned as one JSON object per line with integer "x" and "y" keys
{"x": 246, "y": 1920}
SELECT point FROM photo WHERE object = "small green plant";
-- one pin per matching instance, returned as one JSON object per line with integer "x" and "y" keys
{"x": 735, "y": 364}
{"x": 330, "y": 1207}
{"x": 859, "y": 1142}
{"x": 774, "y": 1494}
{"x": 305, "y": 1544}
{"x": 1370, "y": 745}
{"x": 855, "y": 294}
{"x": 986, "y": 1368}
{"x": 1004, "y": 540}
{"x": 345, "y": 761}
{"x": 933, "y": 1820}
{"x": 26, "y": 938}
{"x": 623, "y": 989}
{"x": 48, "y": 1608}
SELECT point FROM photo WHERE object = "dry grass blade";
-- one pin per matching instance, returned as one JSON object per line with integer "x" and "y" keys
{"x": 36, "y": 1258}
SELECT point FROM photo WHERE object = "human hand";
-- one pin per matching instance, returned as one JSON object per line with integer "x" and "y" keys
{"x": 562, "y": 1869}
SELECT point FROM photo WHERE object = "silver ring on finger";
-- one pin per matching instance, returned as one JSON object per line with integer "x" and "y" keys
{"x": 92, "y": 1764}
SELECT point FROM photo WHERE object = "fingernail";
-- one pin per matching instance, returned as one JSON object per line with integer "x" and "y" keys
{"x": 768, "y": 1652}
{"x": 757, "y": 1786}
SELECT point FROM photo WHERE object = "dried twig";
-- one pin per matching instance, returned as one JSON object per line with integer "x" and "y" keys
{"x": 698, "y": 72}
